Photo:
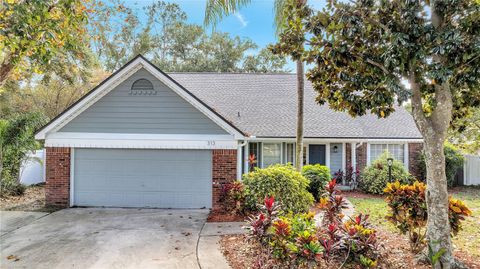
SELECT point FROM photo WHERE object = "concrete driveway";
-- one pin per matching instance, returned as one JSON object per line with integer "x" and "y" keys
{"x": 106, "y": 238}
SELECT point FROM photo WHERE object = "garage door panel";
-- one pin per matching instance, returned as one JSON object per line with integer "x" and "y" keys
{"x": 142, "y": 178}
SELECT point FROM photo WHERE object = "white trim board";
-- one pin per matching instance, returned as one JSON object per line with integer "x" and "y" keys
{"x": 140, "y": 141}
{"x": 118, "y": 78}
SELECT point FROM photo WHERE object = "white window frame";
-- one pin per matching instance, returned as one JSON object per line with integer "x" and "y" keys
{"x": 405, "y": 151}
{"x": 263, "y": 155}
{"x": 293, "y": 153}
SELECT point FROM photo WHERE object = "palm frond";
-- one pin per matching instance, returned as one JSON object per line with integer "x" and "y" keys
{"x": 279, "y": 12}
{"x": 216, "y": 10}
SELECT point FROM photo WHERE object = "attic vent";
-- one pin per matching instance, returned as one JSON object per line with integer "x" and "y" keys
{"x": 142, "y": 87}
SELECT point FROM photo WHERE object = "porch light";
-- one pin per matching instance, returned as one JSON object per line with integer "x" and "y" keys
{"x": 390, "y": 163}
{"x": 335, "y": 149}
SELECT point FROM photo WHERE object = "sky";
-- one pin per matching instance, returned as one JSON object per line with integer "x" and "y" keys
{"x": 254, "y": 21}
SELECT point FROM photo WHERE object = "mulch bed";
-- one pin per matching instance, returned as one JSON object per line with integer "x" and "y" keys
{"x": 32, "y": 200}
{"x": 242, "y": 253}
{"x": 224, "y": 216}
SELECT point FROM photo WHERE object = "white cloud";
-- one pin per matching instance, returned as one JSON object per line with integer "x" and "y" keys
{"x": 241, "y": 19}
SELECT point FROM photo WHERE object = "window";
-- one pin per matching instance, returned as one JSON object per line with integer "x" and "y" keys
{"x": 272, "y": 153}
{"x": 253, "y": 156}
{"x": 290, "y": 153}
{"x": 142, "y": 87}
{"x": 396, "y": 150}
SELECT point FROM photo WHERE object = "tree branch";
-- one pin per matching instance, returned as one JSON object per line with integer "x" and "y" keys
{"x": 417, "y": 108}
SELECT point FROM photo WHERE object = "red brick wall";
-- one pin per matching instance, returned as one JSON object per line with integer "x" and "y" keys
{"x": 414, "y": 151}
{"x": 57, "y": 188}
{"x": 348, "y": 155}
{"x": 224, "y": 170}
{"x": 361, "y": 156}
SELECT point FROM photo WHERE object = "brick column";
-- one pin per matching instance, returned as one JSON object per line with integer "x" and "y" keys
{"x": 224, "y": 171}
{"x": 348, "y": 155}
{"x": 361, "y": 157}
{"x": 414, "y": 152}
{"x": 57, "y": 188}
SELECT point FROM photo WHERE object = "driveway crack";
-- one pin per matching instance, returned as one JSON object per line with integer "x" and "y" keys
{"x": 198, "y": 242}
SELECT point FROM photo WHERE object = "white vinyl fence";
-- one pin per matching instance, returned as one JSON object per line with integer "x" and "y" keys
{"x": 471, "y": 170}
{"x": 32, "y": 170}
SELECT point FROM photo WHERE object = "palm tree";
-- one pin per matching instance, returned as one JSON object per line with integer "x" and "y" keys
{"x": 217, "y": 9}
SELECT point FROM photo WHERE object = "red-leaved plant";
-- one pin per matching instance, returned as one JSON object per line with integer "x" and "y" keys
{"x": 259, "y": 224}
{"x": 332, "y": 204}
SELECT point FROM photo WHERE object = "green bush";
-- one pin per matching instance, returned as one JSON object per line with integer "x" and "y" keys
{"x": 9, "y": 186}
{"x": 283, "y": 182}
{"x": 453, "y": 161}
{"x": 319, "y": 176}
{"x": 16, "y": 141}
{"x": 375, "y": 176}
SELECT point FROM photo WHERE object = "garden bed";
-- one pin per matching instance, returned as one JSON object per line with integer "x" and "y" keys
{"x": 32, "y": 200}
{"x": 223, "y": 216}
{"x": 242, "y": 253}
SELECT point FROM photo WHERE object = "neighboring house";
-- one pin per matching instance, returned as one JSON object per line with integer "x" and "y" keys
{"x": 143, "y": 138}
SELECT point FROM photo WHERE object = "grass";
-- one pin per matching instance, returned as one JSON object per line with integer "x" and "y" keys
{"x": 466, "y": 240}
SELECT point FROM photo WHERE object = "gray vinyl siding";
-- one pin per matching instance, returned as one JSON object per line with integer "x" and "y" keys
{"x": 143, "y": 178}
{"x": 336, "y": 158}
{"x": 164, "y": 112}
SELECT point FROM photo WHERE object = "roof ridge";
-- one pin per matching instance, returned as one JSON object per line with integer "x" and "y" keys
{"x": 232, "y": 73}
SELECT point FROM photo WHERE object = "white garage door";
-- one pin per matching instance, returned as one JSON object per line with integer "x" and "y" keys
{"x": 143, "y": 178}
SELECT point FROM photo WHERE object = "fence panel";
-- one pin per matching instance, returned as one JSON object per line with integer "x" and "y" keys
{"x": 471, "y": 170}
{"x": 32, "y": 169}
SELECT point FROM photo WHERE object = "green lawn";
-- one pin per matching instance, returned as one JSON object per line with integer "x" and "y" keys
{"x": 467, "y": 240}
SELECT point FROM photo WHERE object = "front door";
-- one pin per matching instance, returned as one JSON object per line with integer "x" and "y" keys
{"x": 316, "y": 154}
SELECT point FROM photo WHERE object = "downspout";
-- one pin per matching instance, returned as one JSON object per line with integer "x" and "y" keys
{"x": 239, "y": 159}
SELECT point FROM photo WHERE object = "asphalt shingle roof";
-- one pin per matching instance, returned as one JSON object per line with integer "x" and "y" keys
{"x": 264, "y": 105}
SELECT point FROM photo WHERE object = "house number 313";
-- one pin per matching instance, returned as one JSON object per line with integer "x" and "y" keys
{"x": 211, "y": 143}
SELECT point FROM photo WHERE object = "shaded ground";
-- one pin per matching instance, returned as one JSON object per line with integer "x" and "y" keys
{"x": 32, "y": 200}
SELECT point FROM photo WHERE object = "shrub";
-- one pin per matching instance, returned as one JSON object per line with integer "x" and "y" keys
{"x": 453, "y": 161}
{"x": 294, "y": 240}
{"x": 232, "y": 197}
{"x": 375, "y": 176}
{"x": 259, "y": 224}
{"x": 16, "y": 141}
{"x": 408, "y": 212}
{"x": 319, "y": 176}
{"x": 332, "y": 204}
{"x": 283, "y": 182}
{"x": 350, "y": 177}
{"x": 10, "y": 186}
{"x": 360, "y": 239}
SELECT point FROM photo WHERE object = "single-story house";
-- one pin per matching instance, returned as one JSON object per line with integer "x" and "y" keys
{"x": 144, "y": 138}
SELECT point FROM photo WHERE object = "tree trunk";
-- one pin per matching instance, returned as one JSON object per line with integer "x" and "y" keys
{"x": 300, "y": 97}
{"x": 434, "y": 132}
{"x": 438, "y": 226}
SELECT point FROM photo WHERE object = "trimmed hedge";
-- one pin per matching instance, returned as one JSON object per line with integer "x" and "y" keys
{"x": 288, "y": 186}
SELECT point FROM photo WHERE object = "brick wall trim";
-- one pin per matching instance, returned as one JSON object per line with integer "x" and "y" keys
{"x": 57, "y": 177}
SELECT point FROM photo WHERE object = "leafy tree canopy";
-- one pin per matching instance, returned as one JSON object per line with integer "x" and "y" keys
{"x": 42, "y": 35}
{"x": 165, "y": 36}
